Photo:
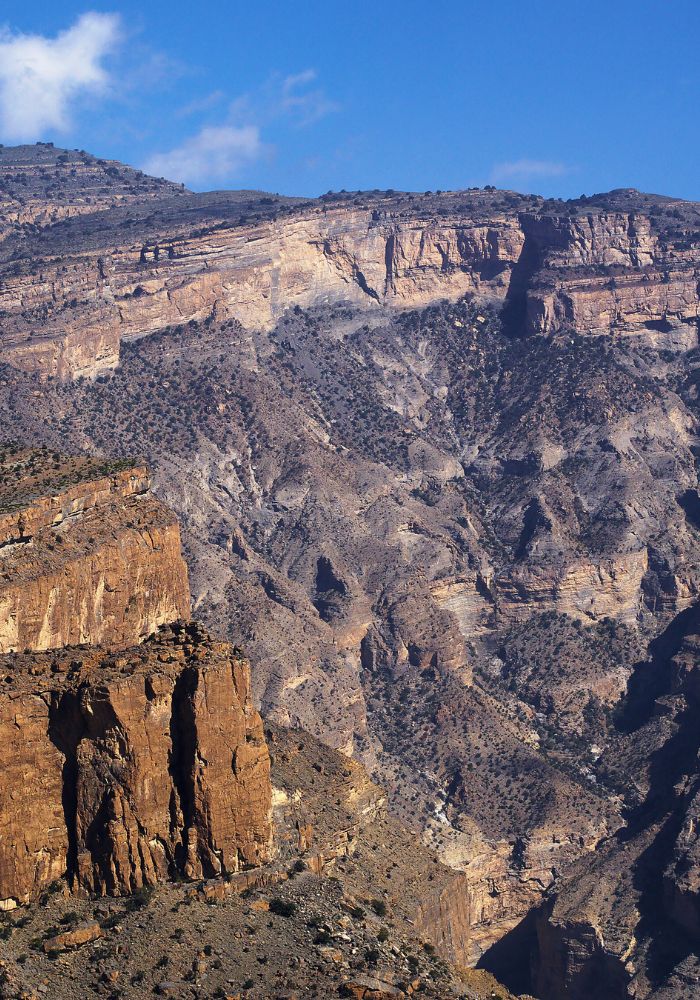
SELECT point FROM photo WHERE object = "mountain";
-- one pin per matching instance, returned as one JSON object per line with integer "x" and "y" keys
{"x": 142, "y": 773}
{"x": 434, "y": 461}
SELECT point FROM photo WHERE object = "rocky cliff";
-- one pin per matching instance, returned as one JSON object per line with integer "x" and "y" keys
{"x": 73, "y": 289}
{"x": 120, "y": 770}
{"x": 371, "y": 509}
{"x": 87, "y": 553}
{"x": 91, "y": 293}
{"x": 126, "y": 769}
{"x": 435, "y": 458}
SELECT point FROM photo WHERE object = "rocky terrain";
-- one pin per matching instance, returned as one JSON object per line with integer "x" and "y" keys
{"x": 434, "y": 457}
{"x": 87, "y": 553}
{"x": 150, "y": 761}
{"x": 148, "y": 254}
{"x": 629, "y": 919}
{"x": 40, "y": 185}
{"x": 143, "y": 774}
{"x": 350, "y": 906}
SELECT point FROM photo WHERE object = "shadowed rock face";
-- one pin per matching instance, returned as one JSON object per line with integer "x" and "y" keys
{"x": 625, "y": 921}
{"x": 122, "y": 770}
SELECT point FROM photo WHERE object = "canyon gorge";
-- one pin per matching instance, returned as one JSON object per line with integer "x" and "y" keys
{"x": 424, "y": 467}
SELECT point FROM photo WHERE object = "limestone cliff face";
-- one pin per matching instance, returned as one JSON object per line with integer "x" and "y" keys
{"x": 89, "y": 302}
{"x": 611, "y": 272}
{"x": 94, "y": 560}
{"x": 33, "y": 835}
{"x": 127, "y": 768}
{"x": 444, "y": 918}
{"x": 85, "y": 285}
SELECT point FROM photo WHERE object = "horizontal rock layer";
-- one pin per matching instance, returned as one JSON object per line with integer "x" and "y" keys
{"x": 86, "y": 557}
{"x": 71, "y": 296}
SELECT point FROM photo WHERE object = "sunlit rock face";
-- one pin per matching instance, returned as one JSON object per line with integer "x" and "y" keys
{"x": 121, "y": 770}
{"x": 87, "y": 554}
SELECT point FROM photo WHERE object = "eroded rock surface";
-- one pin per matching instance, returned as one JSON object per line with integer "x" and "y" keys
{"x": 87, "y": 553}
{"x": 436, "y": 462}
{"x": 175, "y": 257}
{"x": 124, "y": 769}
{"x": 625, "y": 921}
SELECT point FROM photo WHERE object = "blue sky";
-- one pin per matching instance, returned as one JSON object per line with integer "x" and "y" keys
{"x": 555, "y": 96}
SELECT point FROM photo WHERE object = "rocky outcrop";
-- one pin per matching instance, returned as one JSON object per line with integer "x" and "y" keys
{"x": 87, "y": 554}
{"x": 74, "y": 938}
{"x": 90, "y": 301}
{"x": 444, "y": 918}
{"x": 615, "y": 263}
{"x": 612, "y": 271}
{"x": 375, "y": 496}
{"x": 122, "y": 769}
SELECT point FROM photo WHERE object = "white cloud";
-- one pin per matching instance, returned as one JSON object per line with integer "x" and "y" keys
{"x": 42, "y": 78}
{"x": 304, "y": 105}
{"x": 215, "y": 153}
{"x": 218, "y": 153}
{"x": 520, "y": 170}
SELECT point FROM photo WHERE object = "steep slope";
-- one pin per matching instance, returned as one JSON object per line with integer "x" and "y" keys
{"x": 338, "y": 529}
{"x": 87, "y": 554}
{"x": 352, "y": 907}
{"x": 121, "y": 770}
{"x": 435, "y": 458}
{"x": 626, "y": 922}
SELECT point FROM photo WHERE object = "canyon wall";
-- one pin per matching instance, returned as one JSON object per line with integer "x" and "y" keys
{"x": 87, "y": 555}
{"x": 89, "y": 302}
{"x": 624, "y": 923}
{"x": 70, "y": 299}
{"x": 120, "y": 770}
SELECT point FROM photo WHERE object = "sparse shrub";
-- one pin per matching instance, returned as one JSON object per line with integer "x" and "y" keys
{"x": 282, "y": 907}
